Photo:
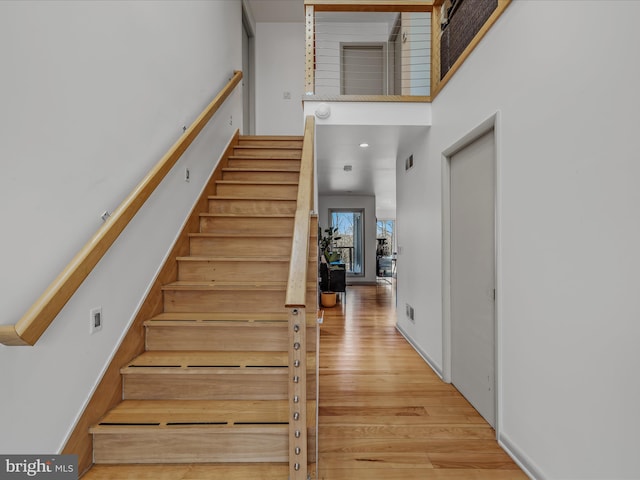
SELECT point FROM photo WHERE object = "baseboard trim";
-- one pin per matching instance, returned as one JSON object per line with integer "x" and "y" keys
{"x": 434, "y": 366}
{"x": 518, "y": 456}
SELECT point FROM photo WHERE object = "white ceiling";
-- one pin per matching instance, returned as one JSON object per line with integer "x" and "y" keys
{"x": 373, "y": 167}
{"x": 283, "y": 11}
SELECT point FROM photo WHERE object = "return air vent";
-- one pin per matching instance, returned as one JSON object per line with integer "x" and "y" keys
{"x": 408, "y": 163}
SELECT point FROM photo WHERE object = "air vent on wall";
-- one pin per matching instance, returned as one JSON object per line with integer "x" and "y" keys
{"x": 408, "y": 163}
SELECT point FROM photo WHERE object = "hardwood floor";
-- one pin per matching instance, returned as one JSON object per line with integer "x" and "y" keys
{"x": 384, "y": 414}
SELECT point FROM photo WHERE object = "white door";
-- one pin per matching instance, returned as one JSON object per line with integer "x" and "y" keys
{"x": 472, "y": 200}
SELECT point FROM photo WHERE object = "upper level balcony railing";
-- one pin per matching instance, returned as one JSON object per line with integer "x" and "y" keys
{"x": 368, "y": 50}
{"x": 374, "y": 53}
{"x": 390, "y": 50}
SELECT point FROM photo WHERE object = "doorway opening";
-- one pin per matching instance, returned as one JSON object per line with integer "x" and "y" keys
{"x": 385, "y": 249}
{"x": 351, "y": 243}
{"x": 248, "y": 97}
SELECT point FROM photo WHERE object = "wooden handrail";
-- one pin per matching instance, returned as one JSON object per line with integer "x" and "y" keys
{"x": 296, "y": 302}
{"x": 37, "y": 319}
{"x": 297, "y": 283}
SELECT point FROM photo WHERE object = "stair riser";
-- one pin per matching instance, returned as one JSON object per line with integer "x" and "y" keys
{"x": 216, "y": 336}
{"x": 255, "y": 142}
{"x": 257, "y": 190}
{"x": 246, "y": 225}
{"x": 261, "y": 176}
{"x": 227, "y": 301}
{"x": 256, "y": 384}
{"x": 193, "y": 445}
{"x": 205, "y": 271}
{"x": 281, "y": 163}
{"x": 252, "y": 206}
{"x": 242, "y": 246}
{"x": 267, "y": 152}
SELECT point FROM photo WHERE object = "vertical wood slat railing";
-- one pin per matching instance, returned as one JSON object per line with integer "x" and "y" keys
{"x": 41, "y": 314}
{"x": 296, "y": 303}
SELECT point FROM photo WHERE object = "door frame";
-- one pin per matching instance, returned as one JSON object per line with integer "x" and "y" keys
{"x": 491, "y": 123}
{"x": 248, "y": 77}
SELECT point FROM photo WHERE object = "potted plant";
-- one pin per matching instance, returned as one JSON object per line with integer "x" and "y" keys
{"x": 327, "y": 244}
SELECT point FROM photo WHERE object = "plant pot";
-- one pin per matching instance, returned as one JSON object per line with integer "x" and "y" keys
{"x": 328, "y": 299}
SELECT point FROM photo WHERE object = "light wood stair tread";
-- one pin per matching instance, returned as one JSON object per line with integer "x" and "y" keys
{"x": 272, "y": 137}
{"x": 254, "y": 182}
{"x": 230, "y": 285}
{"x": 259, "y": 170}
{"x": 235, "y": 156}
{"x": 222, "y": 285}
{"x": 254, "y": 199}
{"x": 266, "y": 147}
{"x": 218, "y": 317}
{"x": 196, "y": 359}
{"x": 239, "y": 235}
{"x": 208, "y": 471}
{"x": 195, "y": 412}
{"x": 281, "y": 258}
{"x": 249, "y": 215}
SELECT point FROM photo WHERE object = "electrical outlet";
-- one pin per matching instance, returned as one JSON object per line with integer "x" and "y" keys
{"x": 95, "y": 320}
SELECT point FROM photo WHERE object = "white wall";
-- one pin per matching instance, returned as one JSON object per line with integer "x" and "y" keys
{"x": 368, "y": 203}
{"x": 568, "y": 230}
{"x": 280, "y": 69}
{"x": 93, "y": 94}
{"x": 329, "y": 38}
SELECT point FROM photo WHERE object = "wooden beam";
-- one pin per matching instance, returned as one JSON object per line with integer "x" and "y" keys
{"x": 370, "y": 98}
{"x": 370, "y": 5}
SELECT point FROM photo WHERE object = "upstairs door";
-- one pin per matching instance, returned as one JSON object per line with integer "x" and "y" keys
{"x": 363, "y": 69}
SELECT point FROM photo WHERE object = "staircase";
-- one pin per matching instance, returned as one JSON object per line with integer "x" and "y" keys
{"x": 212, "y": 385}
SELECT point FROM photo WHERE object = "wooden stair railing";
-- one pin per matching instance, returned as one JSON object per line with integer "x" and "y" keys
{"x": 210, "y": 380}
{"x": 41, "y": 314}
{"x": 296, "y": 304}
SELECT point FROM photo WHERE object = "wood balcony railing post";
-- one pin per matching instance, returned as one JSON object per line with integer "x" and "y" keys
{"x": 310, "y": 50}
{"x": 297, "y": 296}
{"x": 298, "y": 442}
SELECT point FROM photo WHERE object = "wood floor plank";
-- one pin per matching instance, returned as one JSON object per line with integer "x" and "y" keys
{"x": 384, "y": 414}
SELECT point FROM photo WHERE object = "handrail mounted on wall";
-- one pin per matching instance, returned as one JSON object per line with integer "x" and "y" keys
{"x": 41, "y": 314}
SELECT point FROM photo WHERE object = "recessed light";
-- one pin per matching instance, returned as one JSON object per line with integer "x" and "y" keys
{"x": 364, "y": 145}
